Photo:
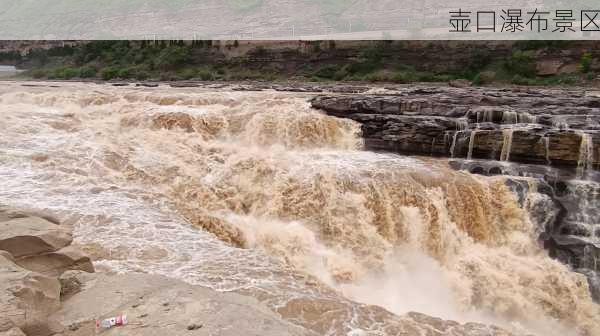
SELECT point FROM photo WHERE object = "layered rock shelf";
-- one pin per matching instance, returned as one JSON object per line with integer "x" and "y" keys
{"x": 549, "y": 127}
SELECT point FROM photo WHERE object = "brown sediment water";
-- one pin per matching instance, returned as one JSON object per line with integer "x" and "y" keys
{"x": 256, "y": 192}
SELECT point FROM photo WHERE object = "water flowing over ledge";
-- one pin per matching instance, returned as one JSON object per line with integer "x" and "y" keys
{"x": 543, "y": 126}
{"x": 258, "y": 193}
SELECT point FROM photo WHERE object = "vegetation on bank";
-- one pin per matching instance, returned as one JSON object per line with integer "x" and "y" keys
{"x": 383, "y": 61}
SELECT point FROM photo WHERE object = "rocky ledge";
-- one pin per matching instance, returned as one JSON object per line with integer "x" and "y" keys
{"x": 48, "y": 287}
{"x": 542, "y": 126}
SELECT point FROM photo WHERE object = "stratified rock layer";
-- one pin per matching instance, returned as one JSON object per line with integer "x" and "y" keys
{"x": 555, "y": 127}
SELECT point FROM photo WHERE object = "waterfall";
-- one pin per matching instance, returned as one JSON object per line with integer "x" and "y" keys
{"x": 510, "y": 117}
{"x": 453, "y": 146}
{"x": 485, "y": 116}
{"x": 527, "y": 118}
{"x": 507, "y": 137}
{"x": 257, "y": 193}
{"x": 559, "y": 122}
{"x": 586, "y": 155}
{"x": 546, "y": 140}
{"x": 461, "y": 125}
{"x": 471, "y": 144}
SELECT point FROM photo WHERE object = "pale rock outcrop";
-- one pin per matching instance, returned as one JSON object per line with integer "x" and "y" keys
{"x": 57, "y": 262}
{"x": 28, "y": 236}
{"x": 26, "y": 299}
{"x": 34, "y": 250}
{"x": 157, "y": 305}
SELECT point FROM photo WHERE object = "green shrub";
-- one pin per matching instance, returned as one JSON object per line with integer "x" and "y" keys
{"x": 39, "y": 73}
{"x": 125, "y": 73}
{"x": 205, "y": 74}
{"x": 63, "y": 73}
{"x": 187, "y": 73}
{"x": 484, "y": 77}
{"x": 404, "y": 77}
{"x": 327, "y": 72}
{"x": 521, "y": 63}
{"x": 443, "y": 77}
{"x": 87, "y": 72}
{"x": 142, "y": 75}
{"x": 519, "y": 80}
{"x": 109, "y": 73}
{"x": 589, "y": 76}
{"x": 585, "y": 64}
{"x": 172, "y": 56}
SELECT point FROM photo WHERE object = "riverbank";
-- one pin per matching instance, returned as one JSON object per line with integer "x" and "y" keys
{"x": 480, "y": 62}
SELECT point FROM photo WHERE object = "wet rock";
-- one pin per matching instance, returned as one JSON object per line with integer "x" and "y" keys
{"x": 147, "y": 84}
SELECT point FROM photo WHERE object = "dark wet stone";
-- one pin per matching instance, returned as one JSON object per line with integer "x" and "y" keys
{"x": 495, "y": 171}
{"x": 477, "y": 170}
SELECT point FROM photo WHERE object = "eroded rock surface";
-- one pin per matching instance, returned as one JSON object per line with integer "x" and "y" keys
{"x": 26, "y": 299}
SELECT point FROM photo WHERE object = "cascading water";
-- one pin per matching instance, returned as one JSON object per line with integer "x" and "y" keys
{"x": 586, "y": 155}
{"x": 461, "y": 125}
{"x": 510, "y": 117}
{"x": 546, "y": 140}
{"x": 471, "y": 144}
{"x": 507, "y": 138}
{"x": 285, "y": 207}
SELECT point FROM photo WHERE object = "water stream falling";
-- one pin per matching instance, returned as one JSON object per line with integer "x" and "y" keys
{"x": 507, "y": 138}
{"x": 260, "y": 194}
{"x": 510, "y": 117}
{"x": 586, "y": 155}
{"x": 461, "y": 125}
{"x": 546, "y": 140}
{"x": 471, "y": 144}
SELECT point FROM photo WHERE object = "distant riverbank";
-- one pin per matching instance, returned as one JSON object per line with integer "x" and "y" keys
{"x": 531, "y": 63}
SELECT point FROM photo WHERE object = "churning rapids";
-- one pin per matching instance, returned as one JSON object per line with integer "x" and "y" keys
{"x": 255, "y": 192}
